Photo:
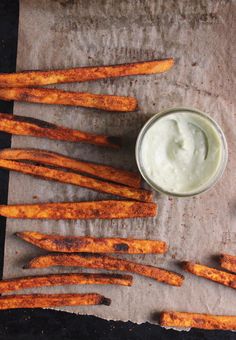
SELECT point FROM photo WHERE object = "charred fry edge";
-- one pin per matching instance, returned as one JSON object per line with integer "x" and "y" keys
{"x": 212, "y": 274}
{"x": 98, "y": 261}
{"x": 27, "y": 126}
{"x": 109, "y": 209}
{"x": 73, "y": 244}
{"x": 59, "y": 97}
{"x": 196, "y": 320}
{"x": 81, "y": 74}
{"x": 10, "y": 285}
{"x": 110, "y": 173}
{"x": 51, "y": 300}
{"x": 77, "y": 179}
{"x": 228, "y": 262}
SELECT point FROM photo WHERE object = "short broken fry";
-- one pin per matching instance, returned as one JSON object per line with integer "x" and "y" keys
{"x": 228, "y": 262}
{"x": 77, "y": 179}
{"x": 81, "y": 74}
{"x": 83, "y": 244}
{"x": 212, "y": 274}
{"x": 196, "y": 320}
{"x": 27, "y": 126}
{"x": 98, "y": 261}
{"x": 109, "y": 173}
{"x": 59, "y": 97}
{"x": 18, "y": 283}
{"x": 110, "y": 209}
{"x": 51, "y": 300}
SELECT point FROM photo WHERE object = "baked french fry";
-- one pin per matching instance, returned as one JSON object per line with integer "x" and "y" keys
{"x": 228, "y": 262}
{"x": 59, "y": 97}
{"x": 81, "y": 74}
{"x": 80, "y": 210}
{"x": 51, "y": 300}
{"x": 212, "y": 274}
{"x": 196, "y": 320}
{"x": 27, "y": 126}
{"x": 18, "y": 283}
{"x": 76, "y": 179}
{"x": 83, "y": 244}
{"x": 98, "y": 261}
{"x": 109, "y": 173}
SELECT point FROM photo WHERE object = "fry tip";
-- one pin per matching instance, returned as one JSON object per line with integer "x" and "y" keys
{"x": 105, "y": 301}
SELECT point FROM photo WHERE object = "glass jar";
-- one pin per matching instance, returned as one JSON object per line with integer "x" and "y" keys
{"x": 210, "y": 125}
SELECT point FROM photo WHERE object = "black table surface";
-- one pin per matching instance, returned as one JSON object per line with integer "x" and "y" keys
{"x": 46, "y": 324}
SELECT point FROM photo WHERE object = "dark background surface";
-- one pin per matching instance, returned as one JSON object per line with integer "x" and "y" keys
{"x": 46, "y": 324}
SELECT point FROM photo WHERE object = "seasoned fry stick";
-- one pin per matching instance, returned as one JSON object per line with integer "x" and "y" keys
{"x": 80, "y": 210}
{"x": 77, "y": 179}
{"x": 228, "y": 262}
{"x": 80, "y": 74}
{"x": 212, "y": 274}
{"x": 27, "y": 126}
{"x": 10, "y": 285}
{"x": 196, "y": 320}
{"x": 110, "y": 173}
{"x": 60, "y": 97}
{"x": 51, "y": 300}
{"x": 98, "y": 261}
{"x": 73, "y": 244}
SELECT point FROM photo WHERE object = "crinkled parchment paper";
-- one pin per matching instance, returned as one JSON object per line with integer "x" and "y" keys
{"x": 200, "y": 36}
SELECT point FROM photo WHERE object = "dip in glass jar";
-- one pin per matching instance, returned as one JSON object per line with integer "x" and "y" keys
{"x": 181, "y": 152}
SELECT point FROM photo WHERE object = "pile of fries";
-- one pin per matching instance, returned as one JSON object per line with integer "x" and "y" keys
{"x": 89, "y": 252}
{"x": 77, "y": 251}
{"x": 20, "y": 86}
{"x": 206, "y": 321}
{"x": 85, "y": 252}
{"x": 26, "y": 86}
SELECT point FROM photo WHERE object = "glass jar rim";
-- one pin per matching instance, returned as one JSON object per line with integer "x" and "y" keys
{"x": 224, "y": 157}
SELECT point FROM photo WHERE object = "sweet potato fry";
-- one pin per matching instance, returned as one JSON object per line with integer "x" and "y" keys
{"x": 27, "y": 126}
{"x": 54, "y": 96}
{"x": 51, "y": 300}
{"x": 10, "y": 285}
{"x": 109, "y": 173}
{"x": 98, "y": 261}
{"x": 77, "y": 179}
{"x": 80, "y": 210}
{"x": 212, "y": 274}
{"x": 74, "y": 244}
{"x": 81, "y": 74}
{"x": 196, "y": 320}
{"x": 228, "y": 262}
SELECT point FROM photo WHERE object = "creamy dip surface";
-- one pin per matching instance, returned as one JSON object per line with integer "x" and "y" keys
{"x": 181, "y": 152}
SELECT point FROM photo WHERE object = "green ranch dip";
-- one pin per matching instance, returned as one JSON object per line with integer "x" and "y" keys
{"x": 181, "y": 152}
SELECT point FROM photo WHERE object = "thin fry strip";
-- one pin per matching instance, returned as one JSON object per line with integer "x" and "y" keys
{"x": 10, "y": 285}
{"x": 196, "y": 320}
{"x": 27, "y": 126}
{"x": 212, "y": 274}
{"x": 54, "y": 96}
{"x": 51, "y": 300}
{"x": 80, "y": 210}
{"x": 110, "y": 173}
{"x": 98, "y": 261}
{"x": 77, "y": 179}
{"x": 73, "y": 244}
{"x": 228, "y": 262}
{"x": 81, "y": 74}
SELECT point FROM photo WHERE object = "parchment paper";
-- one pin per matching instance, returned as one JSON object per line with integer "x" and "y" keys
{"x": 200, "y": 36}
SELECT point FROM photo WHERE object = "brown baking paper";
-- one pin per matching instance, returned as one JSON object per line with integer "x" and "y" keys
{"x": 199, "y": 35}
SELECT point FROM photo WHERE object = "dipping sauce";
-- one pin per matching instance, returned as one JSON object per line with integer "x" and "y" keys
{"x": 181, "y": 152}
